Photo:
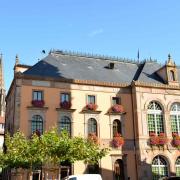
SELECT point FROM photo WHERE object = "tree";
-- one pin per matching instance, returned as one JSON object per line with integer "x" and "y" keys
{"x": 50, "y": 148}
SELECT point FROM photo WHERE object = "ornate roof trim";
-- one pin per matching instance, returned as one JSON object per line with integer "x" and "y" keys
{"x": 98, "y": 56}
{"x": 155, "y": 85}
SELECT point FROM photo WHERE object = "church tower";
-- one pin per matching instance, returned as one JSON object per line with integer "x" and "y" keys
{"x": 2, "y": 89}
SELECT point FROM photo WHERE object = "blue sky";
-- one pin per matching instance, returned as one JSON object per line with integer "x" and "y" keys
{"x": 107, "y": 27}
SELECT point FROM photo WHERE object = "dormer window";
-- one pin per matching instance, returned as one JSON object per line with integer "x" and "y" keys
{"x": 171, "y": 75}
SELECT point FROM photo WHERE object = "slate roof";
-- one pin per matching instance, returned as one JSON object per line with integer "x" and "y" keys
{"x": 68, "y": 66}
{"x": 83, "y": 68}
{"x": 148, "y": 73}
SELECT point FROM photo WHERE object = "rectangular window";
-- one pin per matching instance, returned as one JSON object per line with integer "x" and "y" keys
{"x": 38, "y": 95}
{"x": 116, "y": 100}
{"x": 91, "y": 99}
{"x": 65, "y": 97}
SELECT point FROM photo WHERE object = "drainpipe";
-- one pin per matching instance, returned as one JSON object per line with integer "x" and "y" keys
{"x": 134, "y": 131}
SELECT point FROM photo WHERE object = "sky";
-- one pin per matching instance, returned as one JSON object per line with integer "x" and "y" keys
{"x": 106, "y": 27}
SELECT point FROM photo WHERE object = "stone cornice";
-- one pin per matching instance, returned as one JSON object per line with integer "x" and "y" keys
{"x": 74, "y": 81}
{"x": 155, "y": 85}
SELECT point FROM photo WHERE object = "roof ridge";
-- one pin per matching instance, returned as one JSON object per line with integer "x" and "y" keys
{"x": 98, "y": 56}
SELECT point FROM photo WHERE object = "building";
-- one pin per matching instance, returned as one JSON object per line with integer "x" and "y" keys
{"x": 60, "y": 89}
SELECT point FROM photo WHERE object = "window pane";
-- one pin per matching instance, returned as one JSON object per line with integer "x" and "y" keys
{"x": 151, "y": 123}
{"x": 115, "y": 100}
{"x": 159, "y": 121}
{"x": 65, "y": 97}
{"x": 178, "y": 167}
{"x": 65, "y": 123}
{"x": 175, "y": 118}
{"x": 159, "y": 168}
{"x": 91, "y": 99}
{"x": 92, "y": 126}
{"x": 116, "y": 127}
{"x": 37, "y": 124}
{"x": 37, "y": 95}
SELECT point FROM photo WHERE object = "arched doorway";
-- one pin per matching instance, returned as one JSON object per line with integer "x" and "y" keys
{"x": 119, "y": 170}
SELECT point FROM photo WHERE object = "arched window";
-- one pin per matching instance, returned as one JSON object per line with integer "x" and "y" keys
{"x": 92, "y": 126}
{"x": 178, "y": 167}
{"x": 116, "y": 127}
{"x": 119, "y": 170}
{"x": 155, "y": 118}
{"x": 65, "y": 124}
{"x": 175, "y": 118}
{"x": 37, "y": 124}
{"x": 159, "y": 168}
{"x": 171, "y": 75}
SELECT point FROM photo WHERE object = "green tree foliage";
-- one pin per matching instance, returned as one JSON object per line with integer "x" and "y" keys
{"x": 51, "y": 148}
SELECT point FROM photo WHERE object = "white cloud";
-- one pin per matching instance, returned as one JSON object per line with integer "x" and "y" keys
{"x": 95, "y": 32}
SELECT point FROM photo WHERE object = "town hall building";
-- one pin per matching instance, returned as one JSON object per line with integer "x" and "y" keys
{"x": 133, "y": 108}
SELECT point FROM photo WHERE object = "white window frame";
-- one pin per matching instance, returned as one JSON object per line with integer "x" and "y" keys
{"x": 155, "y": 112}
{"x": 176, "y": 113}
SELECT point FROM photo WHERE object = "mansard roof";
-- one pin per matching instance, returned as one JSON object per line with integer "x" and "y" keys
{"x": 59, "y": 64}
{"x": 70, "y": 66}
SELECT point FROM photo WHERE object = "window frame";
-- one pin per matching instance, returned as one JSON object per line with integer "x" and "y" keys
{"x": 38, "y": 91}
{"x": 88, "y": 128}
{"x": 37, "y": 121}
{"x": 176, "y": 114}
{"x": 117, "y": 128}
{"x": 65, "y": 93}
{"x": 177, "y": 166}
{"x": 172, "y": 75}
{"x": 118, "y": 100}
{"x": 159, "y": 167}
{"x": 87, "y": 99}
{"x": 65, "y": 124}
{"x": 157, "y": 118}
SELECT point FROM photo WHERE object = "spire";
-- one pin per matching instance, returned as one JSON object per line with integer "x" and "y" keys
{"x": 2, "y": 89}
{"x": 17, "y": 60}
{"x": 170, "y": 61}
{"x": 1, "y": 73}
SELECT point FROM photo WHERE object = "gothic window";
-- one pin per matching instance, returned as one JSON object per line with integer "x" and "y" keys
{"x": 65, "y": 124}
{"x": 159, "y": 168}
{"x": 155, "y": 118}
{"x": 116, "y": 127}
{"x": 177, "y": 165}
{"x": 175, "y": 118}
{"x": 92, "y": 126}
{"x": 171, "y": 75}
{"x": 37, "y": 124}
